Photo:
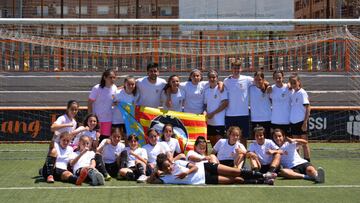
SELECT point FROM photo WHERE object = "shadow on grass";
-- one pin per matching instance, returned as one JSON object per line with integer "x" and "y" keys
{"x": 38, "y": 179}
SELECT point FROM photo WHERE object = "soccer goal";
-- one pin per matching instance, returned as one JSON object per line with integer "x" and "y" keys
{"x": 178, "y": 44}
{"x": 325, "y": 52}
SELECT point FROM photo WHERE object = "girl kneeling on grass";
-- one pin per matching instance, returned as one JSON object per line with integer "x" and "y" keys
{"x": 60, "y": 153}
{"x": 83, "y": 163}
{"x": 295, "y": 167}
{"x": 183, "y": 172}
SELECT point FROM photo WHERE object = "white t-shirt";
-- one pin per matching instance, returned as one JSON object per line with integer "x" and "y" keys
{"x": 90, "y": 134}
{"x": 238, "y": 95}
{"x": 195, "y": 154}
{"x": 298, "y": 100}
{"x": 195, "y": 178}
{"x": 103, "y": 100}
{"x": 177, "y": 100}
{"x": 194, "y": 98}
{"x": 149, "y": 93}
{"x": 213, "y": 98}
{"x": 153, "y": 151}
{"x": 131, "y": 158}
{"x": 226, "y": 151}
{"x": 110, "y": 152}
{"x": 63, "y": 156}
{"x": 173, "y": 145}
{"x": 84, "y": 161}
{"x": 291, "y": 157}
{"x": 121, "y": 96}
{"x": 64, "y": 119}
{"x": 260, "y": 105}
{"x": 260, "y": 151}
{"x": 280, "y": 105}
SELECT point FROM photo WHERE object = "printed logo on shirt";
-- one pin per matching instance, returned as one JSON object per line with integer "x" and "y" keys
{"x": 283, "y": 94}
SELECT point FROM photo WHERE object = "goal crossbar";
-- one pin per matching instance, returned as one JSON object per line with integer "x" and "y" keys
{"x": 92, "y": 21}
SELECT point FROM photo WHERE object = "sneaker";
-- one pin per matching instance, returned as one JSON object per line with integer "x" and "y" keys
{"x": 93, "y": 178}
{"x": 142, "y": 179}
{"x": 82, "y": 176}
{"x": 320, "y": 178}
{"x": 100, "y": 178}
{"x": 270, "y": 175}
{"x": 107, "y": 177}
{"x": 50, "y": 179}
{"x": 269, "y": 181}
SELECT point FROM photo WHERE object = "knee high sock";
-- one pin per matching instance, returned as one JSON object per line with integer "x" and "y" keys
{"x": 246, "y": 174}
{"x": 72, "y": 179}
{"x": 100, "y": 164}
{"x": 123, "y": 159}
{"x": 50, "y": 165}
{"x": 140, "y": 169}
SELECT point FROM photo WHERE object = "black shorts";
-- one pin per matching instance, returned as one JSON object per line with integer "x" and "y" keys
{"x": 301, "y": 168}
{"x": 285, "y": 128}
{"x": 266, "y": 125}
{"x": 57, "y": 173}
{"x": 211, "y": 174}
{"x": 112, "y": 169}
{"x": 296, "y": 129}
{"x": 227, "y": 162}
{"x": 243, "y": 122}
{"x": 216, "y": 130}
{"x": 121, "y": 126}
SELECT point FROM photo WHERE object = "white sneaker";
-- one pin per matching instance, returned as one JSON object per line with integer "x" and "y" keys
{"x": 270, "y": 175}
{"x": 320, "y": 178}
{"x": 142, "y": 179}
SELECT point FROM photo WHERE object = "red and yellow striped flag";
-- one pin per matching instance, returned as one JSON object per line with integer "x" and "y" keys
{"x": 187, "y": 126}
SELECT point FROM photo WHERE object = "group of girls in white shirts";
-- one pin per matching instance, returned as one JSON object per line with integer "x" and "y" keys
{"x": 225, "y": 104}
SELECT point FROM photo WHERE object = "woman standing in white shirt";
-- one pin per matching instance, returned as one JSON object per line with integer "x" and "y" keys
{"x": 101, "y": 102}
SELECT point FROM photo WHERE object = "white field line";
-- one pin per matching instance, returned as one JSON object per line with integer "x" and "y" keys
{"x": 178, "y": 186}
{"x": 79, "y": 91}
{"x": 54, "y": 75}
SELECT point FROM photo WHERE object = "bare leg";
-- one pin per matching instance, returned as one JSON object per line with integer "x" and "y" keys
{"x": 254, "y": 163}
{"x": 228, "y": 171}
{"x": 306, "y": 148}
{"x": 276, "y": 161}
{"x": 230, "y": 180}
{"x": 239, "y": 160}
{"x": 288, "y": 173}
{"x": 66, "y": 175}
{"x": 179, "y": 157}
{"x": 311, "y": 171}
{"x": 213, "y": 159}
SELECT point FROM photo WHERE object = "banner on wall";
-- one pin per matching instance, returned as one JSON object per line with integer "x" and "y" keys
{"x": 34, "y": 125}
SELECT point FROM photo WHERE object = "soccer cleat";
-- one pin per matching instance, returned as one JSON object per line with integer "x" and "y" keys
{"x": 270, "y": 175}
{"x": 107, "y": 177}
{"x": 50, "y": 179}
{"x": 142, "y": 179}
{"x": 320, "y": 178}
{"x": 82, "y": 176}
{"x": 269, "y": 181}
